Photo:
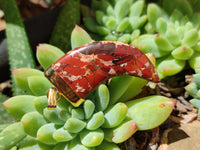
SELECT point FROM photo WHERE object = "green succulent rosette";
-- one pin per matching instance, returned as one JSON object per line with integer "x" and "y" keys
{"x": 103, "y": 120}
{"x": 116, "y": 20}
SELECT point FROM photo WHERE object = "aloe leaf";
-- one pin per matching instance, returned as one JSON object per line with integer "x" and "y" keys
{"x": 45, "y": 134}
{"x": 53, "y": 53}
{"x": 67, "y": 19}
{"x": 119, "y": 110}
{"x": 31, "y": 122}
{"x": 14, "y": 133}
{"x": 19, "y": 105}
{"x": 21, "y": 77}
{"x": 39, "y": 85}
{"x": 91, "y": 138}
{"x": 19, "y": 51}
{"x": 149, "y": 112}
{"x": 79, "y": 37}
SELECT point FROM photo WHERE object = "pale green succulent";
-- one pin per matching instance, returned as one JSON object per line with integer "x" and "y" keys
{"x": 117, "y": 20}
{"x": 103, "y": 120}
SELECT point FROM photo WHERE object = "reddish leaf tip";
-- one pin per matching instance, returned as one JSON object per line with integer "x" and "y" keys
{"x": 157, "y": 35}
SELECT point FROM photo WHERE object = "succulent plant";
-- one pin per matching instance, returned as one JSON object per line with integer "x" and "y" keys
{"x": 103, "y": 120}
{"x": 194, "y": 90}
{"x": 171, "y": 33}
{"x": 176, "y": 40}
{"x": 117, "y": 20}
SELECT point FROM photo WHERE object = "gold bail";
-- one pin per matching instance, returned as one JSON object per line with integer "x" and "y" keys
{"x": 51, "y": 95}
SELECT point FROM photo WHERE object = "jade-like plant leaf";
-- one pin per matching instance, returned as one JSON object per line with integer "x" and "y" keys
{"x": 149, "y": 112}
{"x": 107, "y": 146}
{"x": 62, "y": 135}
{"x": 53, "y": 53}
{"x": 45, "y": 134}
{"x": 79, "y": 37}
{"x": 74, "y": 125}
{"x": 14, "y": 133}
{"x": 119, "y": 111}
{"x": 21, "y": 77}
{"x": 19, "y": 105}
{"x": 39, "y": 85}
{"x": 31, "y": 122}
{"x": 92, "y": 138}
{"x": 121, "y": 133}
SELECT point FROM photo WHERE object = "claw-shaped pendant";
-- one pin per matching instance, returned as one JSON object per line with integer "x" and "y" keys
{"x": 82, "y": 69}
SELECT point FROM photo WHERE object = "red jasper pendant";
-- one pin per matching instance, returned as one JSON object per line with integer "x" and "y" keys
{"x": 82, "y": 69}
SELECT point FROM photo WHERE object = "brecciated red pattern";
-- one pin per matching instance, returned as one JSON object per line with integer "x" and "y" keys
{"x": 85, "y": 67}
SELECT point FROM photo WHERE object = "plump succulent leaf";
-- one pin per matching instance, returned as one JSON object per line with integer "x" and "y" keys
{"x": 79, "y": 37}
{"x": 21, "y": 77}
{"x": 40, "y": 103}
{"x": 149, "y": 112}
{"x": 121, "y": 133}
{"x": 31, "y": 122}
{"x": 53, "y": 53}
{"x": 74, "y": 125}
{"x": 118, "y": 110}
{"x": 102, "y": 97}
{"x": 117, "y": 87}
{"x": 91, "y": 138}
{"x": 62, "y": 135}
{"x": 39, "y": 85}
{"x": 14, "y": 133}
{"x": 19, "y": 105}
{"x": 45, "y": 134}
{"x": 107, "y": 146}
{"x": 96, "y": 121}
{"x": 89, "y": 107}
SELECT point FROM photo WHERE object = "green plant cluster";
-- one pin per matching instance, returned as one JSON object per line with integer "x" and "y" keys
{"x": 117, "y": 20}
{"x": 170, "y": 31}
{"x": 194, "y": 90}
{"x": 101, "y": 122}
